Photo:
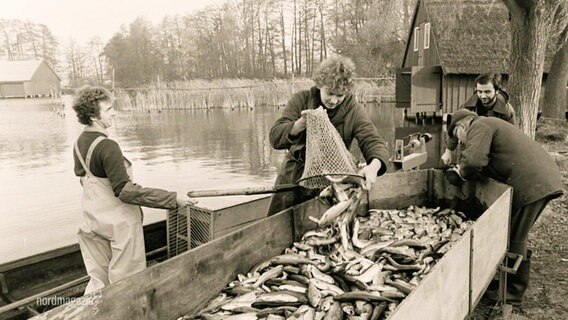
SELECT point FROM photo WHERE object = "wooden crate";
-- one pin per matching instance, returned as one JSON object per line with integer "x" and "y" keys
{"x": 184, "y": 284}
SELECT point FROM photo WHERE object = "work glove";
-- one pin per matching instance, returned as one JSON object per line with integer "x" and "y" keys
{"x": 446, "y": 157}
{"x": 370, "y": 172}
{"x": 454, "y": 177}
{"x": 183, "y": 200}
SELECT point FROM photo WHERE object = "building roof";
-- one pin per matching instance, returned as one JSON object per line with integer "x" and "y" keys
{"x": 472, "y": 36}
{"x": 18, "y": 71}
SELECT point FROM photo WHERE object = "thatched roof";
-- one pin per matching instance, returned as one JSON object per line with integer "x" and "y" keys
{"x": 472, "y": 36}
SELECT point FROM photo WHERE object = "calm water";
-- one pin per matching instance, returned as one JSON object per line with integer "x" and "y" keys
{"x": 175, "y": 150}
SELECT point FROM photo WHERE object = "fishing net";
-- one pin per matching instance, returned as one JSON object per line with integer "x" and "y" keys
{"x": 327, "y": 158}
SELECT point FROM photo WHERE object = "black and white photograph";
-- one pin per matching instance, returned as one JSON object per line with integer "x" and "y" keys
{"x": 284, "y": 159}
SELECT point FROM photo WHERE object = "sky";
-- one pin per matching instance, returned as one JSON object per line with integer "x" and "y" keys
{"x": 82, "y": 20}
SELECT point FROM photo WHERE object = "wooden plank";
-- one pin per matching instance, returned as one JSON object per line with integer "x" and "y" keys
{"x": 228, "y": 218}
{"x": 489, "y": 191}
{"x": 220, "y": 233}
{"x": 185, "y": 283}
{"x": 490, "y": 239}
{"x": 399, "y": 190}
{"x": 443, "y": 190}
{"x": 444, "y": 292}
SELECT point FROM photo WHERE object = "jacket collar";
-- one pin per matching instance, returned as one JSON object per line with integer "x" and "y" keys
{"x": 95, "y": 127}
{"x": 500, "y": 105}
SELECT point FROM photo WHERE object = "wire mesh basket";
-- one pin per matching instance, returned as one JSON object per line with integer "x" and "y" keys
{"x": 193, "y": 226}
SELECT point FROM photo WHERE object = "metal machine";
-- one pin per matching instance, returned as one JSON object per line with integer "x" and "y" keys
{"x": 410, "y": 151}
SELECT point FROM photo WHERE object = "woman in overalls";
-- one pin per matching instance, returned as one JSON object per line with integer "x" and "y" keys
{"x": 111, "y": 237}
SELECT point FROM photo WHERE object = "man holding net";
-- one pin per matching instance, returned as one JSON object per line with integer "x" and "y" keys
{"x": 334, "y": 82}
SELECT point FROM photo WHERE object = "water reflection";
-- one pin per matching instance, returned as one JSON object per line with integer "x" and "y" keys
{"x": 178, "y": 150}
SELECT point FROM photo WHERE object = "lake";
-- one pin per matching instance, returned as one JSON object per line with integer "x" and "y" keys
{"x": 177, "y": 150}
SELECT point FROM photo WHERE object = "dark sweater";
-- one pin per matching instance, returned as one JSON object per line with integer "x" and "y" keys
{"x": 107, "y": 161}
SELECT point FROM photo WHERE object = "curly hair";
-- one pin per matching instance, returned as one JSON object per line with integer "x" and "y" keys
{"x": 336, "y": 73}
{"x": 87, "y": 103}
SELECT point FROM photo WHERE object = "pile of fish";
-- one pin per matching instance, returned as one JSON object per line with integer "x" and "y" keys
{"x": 353, "y": 266}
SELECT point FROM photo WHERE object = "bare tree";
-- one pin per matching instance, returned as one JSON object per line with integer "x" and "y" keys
{"x": 283, "y": 35}
{"x": 555, "y": 94}
{"x": 531, "y": 23}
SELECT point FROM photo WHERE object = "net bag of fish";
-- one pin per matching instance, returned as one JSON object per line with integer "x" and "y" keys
{"x": 350, "y": 266}
{"x": 326, "y": 154}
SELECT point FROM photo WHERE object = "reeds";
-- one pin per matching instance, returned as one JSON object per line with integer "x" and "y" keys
{"x": 228, "y": 93}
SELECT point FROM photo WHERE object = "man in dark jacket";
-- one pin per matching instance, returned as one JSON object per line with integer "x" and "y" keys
{"x": 496, "y": 149}
{"x": 334, "y": 81}
{"x": 489, "y": 100}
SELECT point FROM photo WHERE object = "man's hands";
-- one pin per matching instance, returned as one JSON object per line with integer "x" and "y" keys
{"x": 370, "y": 173}
{"x": 183, "y": 200}
{"x": 299, "y": 125}
{"x": 447, "y": 157}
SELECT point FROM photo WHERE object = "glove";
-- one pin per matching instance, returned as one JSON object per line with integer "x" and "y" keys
{"x": 183, "y": 200}
{"x": 454, "y": 177}
{"x": 370, "y": 173}
{"x": 447, "y": 157}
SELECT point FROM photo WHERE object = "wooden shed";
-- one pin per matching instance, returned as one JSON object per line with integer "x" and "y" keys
{"x": 450, "y": 43}
{"x": 30, "y": 78}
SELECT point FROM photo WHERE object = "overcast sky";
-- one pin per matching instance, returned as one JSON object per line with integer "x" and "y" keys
{"x": 82, "y": 20}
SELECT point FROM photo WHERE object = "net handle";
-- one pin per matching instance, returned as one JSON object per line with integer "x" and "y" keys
{"x": 242, "y": 191}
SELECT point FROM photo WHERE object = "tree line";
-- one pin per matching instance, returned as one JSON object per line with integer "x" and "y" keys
{"x": 261, "y": 39}
{"x": 23, "y": 40}
{"x": 282, "y": 38}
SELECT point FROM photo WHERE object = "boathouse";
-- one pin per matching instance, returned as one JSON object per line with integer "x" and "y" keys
{"x": 30, "y": 78}
{"x": 449, "y": 44}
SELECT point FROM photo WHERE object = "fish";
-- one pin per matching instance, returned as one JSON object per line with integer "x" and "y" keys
{"x": 401, "y": 285}
{"x": 326, "y": 286}
{"x": 295, "y": 288}
{"x": 326, "y": 303}
{"x": 279, "y": 298}
{"x": 272, "y": 273}
{"x": 369, "y": 274}
{"x": 378, "y": 311}
{"x": 339, "y": 193}
{"x": 315, "y": 242}
{"x": 355, "y": 238}
{"x": 280, "y": 311}
{"x": 332, "y": 213}
{"x": 335, "y": 312}
{"x": 377, "y": 246}
{"x": 304, "y": 312}
{"x": 243, "y": 316}
{"x": 316, "y": 273}
{"x": 348, "y": 309}
{"x": 293, "y": 259}
{"x": 314, "y": 295}
{"x": 215, "y": 304}
{"x": 244, "y": 300}
{"x": 361, "y": 295}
